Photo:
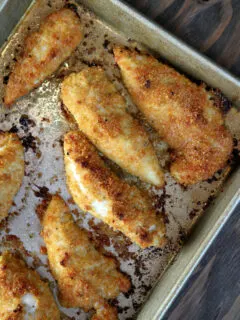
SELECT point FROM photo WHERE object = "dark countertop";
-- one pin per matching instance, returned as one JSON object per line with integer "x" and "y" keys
{"x": 213, "y": 291}
{"x": 212, "y": 27}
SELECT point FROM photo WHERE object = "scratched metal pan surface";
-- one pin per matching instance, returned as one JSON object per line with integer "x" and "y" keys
{"x": 41, "y": 121}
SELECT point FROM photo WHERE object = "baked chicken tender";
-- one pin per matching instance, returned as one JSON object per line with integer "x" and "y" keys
{"x": 11, "y": 170}
{"x": 96, "y": 189}
{"x": 44, "y": 51}
{"x": 23, "y": 295}
{"x": 86, "y": 278}
{"x": 100, "y": 111}
{"x": 182, "y": 112}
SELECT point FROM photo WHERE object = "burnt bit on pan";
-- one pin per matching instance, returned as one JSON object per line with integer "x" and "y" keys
{"x": 13, "y": 129}
{"x": 42, "y": 192}
{"x": 5, "y": 79}
{"x": 106, "y": 43}
{"x": 72, "y": 6}
{"x": 61, "y": 141}
{"x": 129, "y": 292}
{"x": 29, "y": 142}
{"x": 209, "y": 201}
{"x": 115, "y": 303}
{"x": 234, "y": 161}
{"x": 159, "y": 205}
{"x": 193, "y": 213}
{"x": 44, "y": 119}
{"x": 91, "y": 50}
{"x": 93, "y": 63}
{"x": 220, "y": 101}
{"x": 4, "y": 223}
{"x": 235, "y": 142}
{"x": 26, "y": 122}
{"x": 182, "y": 237}
{"x": 215, "y": 177}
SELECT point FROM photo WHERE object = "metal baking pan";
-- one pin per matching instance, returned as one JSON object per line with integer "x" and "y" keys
{"x": 40, "y": 122}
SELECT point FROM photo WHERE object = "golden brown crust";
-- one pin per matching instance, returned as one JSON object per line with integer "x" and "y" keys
{"x": 100, "y": 111}
{"x": 45, "y": 50}
{"x": 85, "y": 277}
{"x": 16, "y": 281}
{"x": 11, "y": 170}
{"x": 182, "y": 112}
{"x": 95, "y": 188}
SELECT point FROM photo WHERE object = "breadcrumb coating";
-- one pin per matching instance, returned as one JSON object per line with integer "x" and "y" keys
{"x": 86, "y": 278}
{"x": 44, "y": 51}
{"x": 100, "y": 111}
{"x": 11, "y": 170}
{"x": 182, "y": 112}
{"x": 96, "y": 189}
{"x": 23, "y": 295}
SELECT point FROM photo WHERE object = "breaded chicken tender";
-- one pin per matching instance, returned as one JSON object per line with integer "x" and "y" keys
{"x": 96, "y": 189}
{"x": 11, "y": 170}
{"x": 182, "y": 112}
{"x": 23, "y": 295}
{"x": 86, "y": 278}
{"x": 100, "y": 111}
{"x": 44, "y": 51}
